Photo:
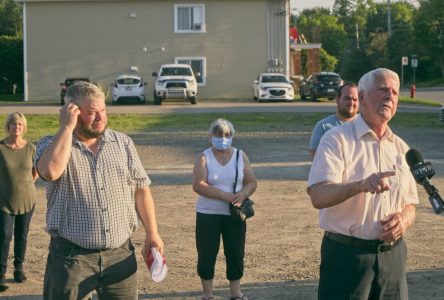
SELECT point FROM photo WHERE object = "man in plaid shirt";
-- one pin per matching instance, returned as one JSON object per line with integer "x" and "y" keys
{"x": 97, "y": 189}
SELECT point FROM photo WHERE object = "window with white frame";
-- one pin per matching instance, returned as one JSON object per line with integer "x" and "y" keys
{"x": 189, "y": 18}
{"x": 198, "y": 64}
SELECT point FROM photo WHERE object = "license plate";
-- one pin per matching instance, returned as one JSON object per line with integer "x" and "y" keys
{"x": 330, "y": 90}
{"x": 128, "y": 88}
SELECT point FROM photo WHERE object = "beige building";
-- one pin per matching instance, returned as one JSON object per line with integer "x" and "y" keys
{"x": 228, "y": 41}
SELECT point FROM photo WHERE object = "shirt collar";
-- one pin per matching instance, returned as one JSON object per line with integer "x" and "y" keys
{"x": 106, "y": 137}
{"x": 361, "y": 129}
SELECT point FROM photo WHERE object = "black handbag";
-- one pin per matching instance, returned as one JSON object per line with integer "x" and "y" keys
{"x": 245, "y": 210}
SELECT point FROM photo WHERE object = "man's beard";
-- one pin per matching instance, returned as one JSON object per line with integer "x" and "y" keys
{"x": 88, "y": 132}
{"x": 347, "y": 113}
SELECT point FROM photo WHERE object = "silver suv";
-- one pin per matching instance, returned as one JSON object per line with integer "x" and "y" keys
{"x": 175, "y": 81}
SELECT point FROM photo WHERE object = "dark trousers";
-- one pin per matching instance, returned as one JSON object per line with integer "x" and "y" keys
{"x": 209, "y": 229}
{"x": 356, "y": 274}
{"x": 19, "y": 225}
{"x": 73, "y": 272}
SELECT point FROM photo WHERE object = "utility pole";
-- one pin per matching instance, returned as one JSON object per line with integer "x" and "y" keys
{"x": 389, "y": 18}
{"x": 440, "y": 34}
{"x": 357, "y": 35}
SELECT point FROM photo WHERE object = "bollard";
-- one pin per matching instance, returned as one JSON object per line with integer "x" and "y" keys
{"x": 412, "y": 91}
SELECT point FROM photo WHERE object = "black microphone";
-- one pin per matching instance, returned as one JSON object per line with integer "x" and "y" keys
{"x": 422, "y": 172}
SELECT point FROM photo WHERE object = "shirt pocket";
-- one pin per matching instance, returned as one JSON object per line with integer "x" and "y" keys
{"x": 398, "y": 183}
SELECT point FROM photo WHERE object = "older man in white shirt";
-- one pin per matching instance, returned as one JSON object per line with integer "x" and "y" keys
{"x": 366, "y": 195}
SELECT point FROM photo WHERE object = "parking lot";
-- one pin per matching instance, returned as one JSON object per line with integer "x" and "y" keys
{"x": 283, "y": 239}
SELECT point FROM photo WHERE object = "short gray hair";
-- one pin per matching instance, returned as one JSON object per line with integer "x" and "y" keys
{"x": 221, "y": 127}
{"x": 367, "y": 81}
{"x": 14, "y": 117}
{"x": 82, "y": 90}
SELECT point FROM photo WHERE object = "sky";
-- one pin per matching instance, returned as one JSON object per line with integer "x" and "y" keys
{"x": 298, "y": 5}
{"x": 301, "y": 4}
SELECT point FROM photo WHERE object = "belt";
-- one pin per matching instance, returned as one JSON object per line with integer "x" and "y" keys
{"x": 375, "y": 246}
{"x": 62, "y": 242}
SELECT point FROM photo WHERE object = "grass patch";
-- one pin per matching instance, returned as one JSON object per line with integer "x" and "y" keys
{"x": 432, "y": 83}
{"x": 416, "y": 101}
{"x": 41, "y": 125}
{"x": 10, "y": 98}
{"x": 17, "y": 100}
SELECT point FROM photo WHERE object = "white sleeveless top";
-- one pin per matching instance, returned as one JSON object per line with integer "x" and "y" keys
{"x": 221, "y": 177}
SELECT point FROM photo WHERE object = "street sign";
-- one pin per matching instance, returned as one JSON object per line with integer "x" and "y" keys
{"x": 414, "y": 61}
{"x": 405, "y": 60}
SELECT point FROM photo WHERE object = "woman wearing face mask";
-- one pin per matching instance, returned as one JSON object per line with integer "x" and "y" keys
{"x": 213, "y": 177}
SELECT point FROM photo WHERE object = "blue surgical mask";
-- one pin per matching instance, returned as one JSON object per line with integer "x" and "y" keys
{"x": 221, "y": 143}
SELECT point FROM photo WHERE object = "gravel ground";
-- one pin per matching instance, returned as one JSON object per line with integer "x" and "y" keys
{"x": 283, "y": 239}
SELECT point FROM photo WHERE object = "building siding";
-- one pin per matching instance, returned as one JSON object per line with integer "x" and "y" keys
{"x": 100, "y": 40}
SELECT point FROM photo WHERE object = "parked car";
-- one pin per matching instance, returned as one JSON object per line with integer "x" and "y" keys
{"x": 323, "y": 84}
{"x": 175, "y": 81}
{"x": 67, "y": 83}
{"x": 129, "y": 88}
{"x": 273, "y": 86}
{"x": 442, "y": 114}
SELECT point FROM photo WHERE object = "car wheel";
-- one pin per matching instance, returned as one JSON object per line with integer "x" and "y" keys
{"x": 330, "y": 98}
{"x": 301, "y": 93}
{"x": 312, "y": 96}
{"x": 193, "y": 100}
{"x": 254, "y": 96}
{"x": 157, "y": 99}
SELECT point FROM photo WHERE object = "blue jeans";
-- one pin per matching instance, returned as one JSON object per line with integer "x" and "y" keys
{"x": 73, "y": 272}
{"x": 19, "y": 225}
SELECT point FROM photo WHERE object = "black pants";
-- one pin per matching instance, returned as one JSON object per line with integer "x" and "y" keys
{"x": 19, "y": 225}
{"x": 209, "y": 229}
{"x": 356, "y": 274}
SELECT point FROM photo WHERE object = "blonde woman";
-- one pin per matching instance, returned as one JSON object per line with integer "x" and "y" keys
{"x": 17, "y": 194}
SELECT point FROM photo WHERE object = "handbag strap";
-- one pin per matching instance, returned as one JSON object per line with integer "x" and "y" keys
{"x": 237, "y": 171}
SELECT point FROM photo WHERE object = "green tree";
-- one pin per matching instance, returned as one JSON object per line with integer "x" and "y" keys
{"x": 354, "y": 64}
{"x": 328, "y": 62}
{"x": 10, "y": 18}
{"x": 376, "y": 49}
{"x": 11, "y": 63}
{"x": 353, "y": 15}
{"x": 429, "y": 37}
{"x": 385, "y": 49}
{"x": 319, "y": 25}
{"x": 401, "y": 41}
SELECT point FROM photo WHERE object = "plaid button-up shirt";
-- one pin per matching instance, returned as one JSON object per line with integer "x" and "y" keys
{"x": 92, "y": 204}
